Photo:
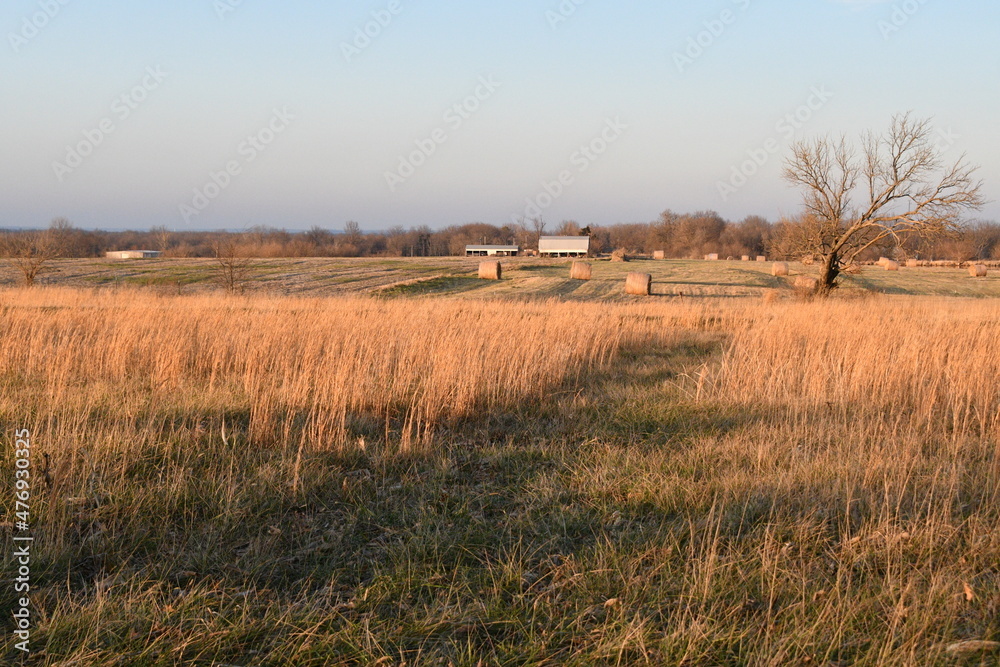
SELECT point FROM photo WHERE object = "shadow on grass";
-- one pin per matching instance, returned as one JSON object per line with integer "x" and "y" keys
{"x": 492, "y": 543}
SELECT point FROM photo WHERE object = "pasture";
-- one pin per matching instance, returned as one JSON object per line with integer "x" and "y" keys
{"x": 388, "y": 462}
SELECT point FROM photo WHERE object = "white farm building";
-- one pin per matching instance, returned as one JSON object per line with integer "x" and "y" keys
{"x": 564, "y": 246}
{"x": 133, "y": 254}
{"x": 492, "y": 250}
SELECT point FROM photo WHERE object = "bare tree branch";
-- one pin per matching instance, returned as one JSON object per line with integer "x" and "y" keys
{"x": 907, "y": 192}
{"x": 30, "y": 252}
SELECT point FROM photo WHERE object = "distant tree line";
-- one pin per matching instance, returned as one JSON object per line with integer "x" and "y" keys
{"x": 679, "y": 235}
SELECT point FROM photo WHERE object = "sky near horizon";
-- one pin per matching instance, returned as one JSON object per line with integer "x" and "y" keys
{"x": 212, "y": 114}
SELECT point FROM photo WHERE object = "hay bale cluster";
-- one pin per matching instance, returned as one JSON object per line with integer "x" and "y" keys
{"x": 490, "y": 270}
{"x": 639, "y": 284}
{"x": 581, "y": 271}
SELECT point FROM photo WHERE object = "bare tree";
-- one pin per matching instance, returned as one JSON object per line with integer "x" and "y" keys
{"x": 162, "y": 236}
{"x": 568, "y": 228}
{"x": 538, "y": 225}
{"x": 31, "y": 251}
{"x": 235, "y": 263}
{"x": 352, "y": 232}
{"x": 897, "y": 188}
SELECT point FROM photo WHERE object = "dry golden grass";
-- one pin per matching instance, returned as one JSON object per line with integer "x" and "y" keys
{"x": 275, "y": 481}
{"x": 930, "y": 363}
{"x": 316, "y": 363}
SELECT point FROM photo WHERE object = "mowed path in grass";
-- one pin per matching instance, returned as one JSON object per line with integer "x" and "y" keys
{"x": 522, "y": 278}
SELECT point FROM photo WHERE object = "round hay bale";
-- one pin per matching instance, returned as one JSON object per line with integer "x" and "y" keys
{"x": 890, "y": 265}
{"x": 779, "y": 269}
{"x": 639, "y": 284}
{"x": 619, "y": 255}
{"x": 806, "y": 283}
{"x": 580, "y": 271}
{"x": 659, "y": 254}
{"x": 761, "y": 258}
{"x": 912, "y": 263}
{"x": 978, "y": 271}
{"x": 490, "y": 270}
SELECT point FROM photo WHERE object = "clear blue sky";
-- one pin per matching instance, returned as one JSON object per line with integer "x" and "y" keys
{"x": 673, "y": 130}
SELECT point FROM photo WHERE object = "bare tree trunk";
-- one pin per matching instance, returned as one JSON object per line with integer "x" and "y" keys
{"x": 829, "y": 270}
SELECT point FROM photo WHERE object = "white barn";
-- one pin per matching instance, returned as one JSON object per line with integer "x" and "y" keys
{"x": 492, "y": 250}
{"x": 564, "y": 246}
{"x": 133, "y": 254}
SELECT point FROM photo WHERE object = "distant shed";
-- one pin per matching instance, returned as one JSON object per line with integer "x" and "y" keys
{"x": 564, "y": 246}
{"x": 492, "y": 250}
{"x": 133, "y": 254}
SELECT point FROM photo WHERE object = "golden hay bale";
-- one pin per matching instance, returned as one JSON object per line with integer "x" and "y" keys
{"x": 978, "y": 271}
{"x": 490, "y": 270}
{"x": 745, "y": 258}
{"x": 807, "y": 283}
{"x": 779, "y": 269}
{"x": 891, "y": 265}
{"x": 580, "y": 271}
{"x": 639, "y": 284}
{"x": 659, "y": 254}
{"x": 619, "y": 255}
{"x": 912, "y": 263}
{"x": 712, "y": 257}
{"x": 882, "y": 261}
{"x": 761, "y": 258}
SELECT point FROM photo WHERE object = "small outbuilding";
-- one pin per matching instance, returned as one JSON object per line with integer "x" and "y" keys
{"x": 564, "y": 246}
{"x": 133, "y": 254}
{"x": 492, "y": 250}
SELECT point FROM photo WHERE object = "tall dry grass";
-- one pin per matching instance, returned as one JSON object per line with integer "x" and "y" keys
{"x": 717, "y": 481}
{"x": 307, "y": 366}
{"x": 930, "y": 363}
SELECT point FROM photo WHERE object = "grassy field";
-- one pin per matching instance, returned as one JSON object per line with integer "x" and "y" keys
{"x": 524, "y": 278}
{"x": 388, "y": 462}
